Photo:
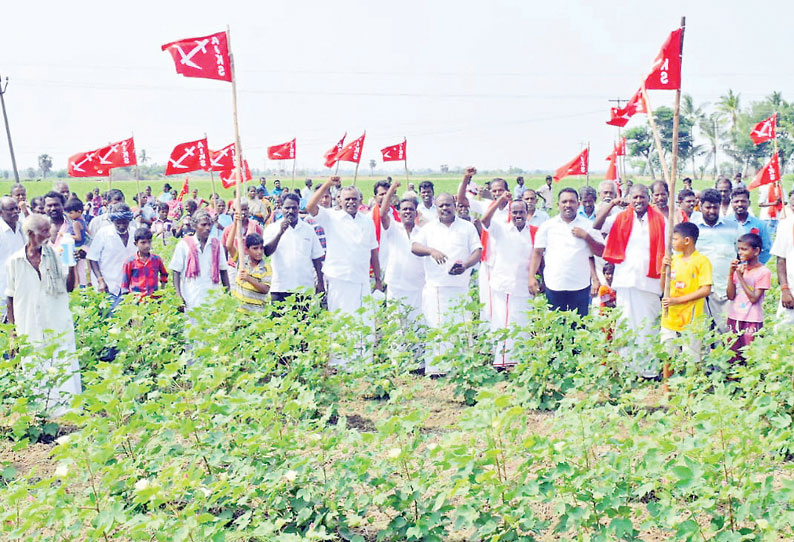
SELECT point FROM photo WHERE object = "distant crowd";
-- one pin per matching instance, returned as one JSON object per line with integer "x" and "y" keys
{"x": 427, "y": 252}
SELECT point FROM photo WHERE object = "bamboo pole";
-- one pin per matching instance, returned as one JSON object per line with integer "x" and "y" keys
{"x": 587, "y": 179}
{"x": 355, "y": 174}
{"x": 294, "y": 160}
{"x": 238, "y": 153}
{"x": 212, "y": 176}
{"x": 405, "y": 161}
{"x": 671, "y": 186}
{"x": 783, "y": 212}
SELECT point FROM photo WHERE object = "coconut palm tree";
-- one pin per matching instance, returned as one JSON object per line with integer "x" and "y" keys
{"x": 711, "y": 128}
{"x": 729, "y": 105}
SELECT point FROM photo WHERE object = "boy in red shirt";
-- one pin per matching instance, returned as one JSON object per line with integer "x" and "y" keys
{"x": 144, "y": 272}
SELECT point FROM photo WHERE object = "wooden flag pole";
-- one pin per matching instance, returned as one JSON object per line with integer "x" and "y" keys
{"x": 587, "y": 179}
{"x": 405, "y": 161}
{"x": 137, "y": 177}
{"x": 778, "y": 183}
{"x": 212, "y": 177}
{"x": 294, "y": 160}
{"x": 355, "y": 174}
{"x": 238, "y": 154}
{"x": 657, "y": 139}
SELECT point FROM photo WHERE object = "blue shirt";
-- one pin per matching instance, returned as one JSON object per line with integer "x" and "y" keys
{"x": 718, "y": 244}
{"x": 755, "y": 223}
{"x": 583, "y": 214}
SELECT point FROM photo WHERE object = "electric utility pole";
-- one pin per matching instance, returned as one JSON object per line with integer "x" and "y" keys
{"x": 8, "y": 130}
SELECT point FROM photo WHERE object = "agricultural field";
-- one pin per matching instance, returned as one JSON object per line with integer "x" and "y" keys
{"x": 237, "y": 429}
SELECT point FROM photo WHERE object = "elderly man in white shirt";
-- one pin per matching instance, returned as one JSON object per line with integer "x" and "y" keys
{"x": 405, "y": 272}
{"x": 566, "y": 243}
{"x": 513, "y": 244}
{"x": 109, "y": 249}
{"x": 453, "y": 247}
{"x": 296, "y": 255}
{"x": 11, "y": 240}
{"x": 502, "y": 215}
{"x": 636, "y": 241}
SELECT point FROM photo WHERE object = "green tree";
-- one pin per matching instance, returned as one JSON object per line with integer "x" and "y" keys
{"x": 664, "y": 121}
{"x": 45, "y": 164}
{"x": 695, "y": 114}
{"x": 640, "y": 145}
{"x": 712, "y": 130}
{"x": 372, "y": 164}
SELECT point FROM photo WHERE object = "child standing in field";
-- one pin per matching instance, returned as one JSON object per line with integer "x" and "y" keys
{"x": 252, "y": 282}
{"x": 162, "y": 227}
{"x": 690, "y": 284}
{"x": 78, "y": 229}
{"x": 606, "y": 295}
{"x": 748, "y": 281}
{"x": 145, "y": 272}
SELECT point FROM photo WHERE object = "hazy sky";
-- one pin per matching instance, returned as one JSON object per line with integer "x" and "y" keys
{"x": 494, "y": 83}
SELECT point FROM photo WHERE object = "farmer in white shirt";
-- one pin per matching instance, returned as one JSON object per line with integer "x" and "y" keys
{"x": 513, "y": 243}
{"x": 110, "y": 248}
{"x": 296, "y": 255}
{"x": 566, "y": 243}
{"x": 405, "y": 272}
{"x": 453, "y": 247}
{"x": 11, "y": 240}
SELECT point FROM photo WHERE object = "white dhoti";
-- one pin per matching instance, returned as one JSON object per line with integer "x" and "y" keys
{"x": 508, "y": 310}
{"x": 484, "y": 284}
{"x": 785, "y": 317}
{"x": 442, "y": 308}
{"x": 411, "y": 299}
{"x": 641, "y": 311}
{"x": 348, "y": 297}
{"x": 717, "y": 307}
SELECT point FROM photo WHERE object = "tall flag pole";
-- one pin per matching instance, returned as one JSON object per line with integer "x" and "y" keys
{"x": 212, "y": 176}
{"x": 238, "y": 153}
{"x": 587, "y": 179}
{"x": 405, "y": 154}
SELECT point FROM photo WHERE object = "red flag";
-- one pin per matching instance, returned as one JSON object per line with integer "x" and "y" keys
{"x": 184, "y": 191}
{"x": 86, "y": 164}
{"x": 394, "y": 153}
{"x": 223, "y": 160}
{"x": 121, "y": 154}
{"x": 764, "y": 130}
{"x": 620, "y": 148}
{"x": 612, "y": 170}
{"x": 190, "y": 156}
{"x": 229, "y": 177}
{"x": 352, "y": 151}
{"x": 770, "y": 173}
{"x": 206, "y": 57}
{"x": 618, "y": 116}
{"x": 666, "y": 71}
{"x": 285, "y": 151}
{"x": 577, "y": 166}
{"x": 330, "y": 156}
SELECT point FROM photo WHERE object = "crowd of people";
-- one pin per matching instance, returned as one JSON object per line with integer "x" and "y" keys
{"x": 421, "y": 250}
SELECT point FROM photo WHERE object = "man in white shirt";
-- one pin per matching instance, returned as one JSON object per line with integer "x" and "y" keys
{"x": 351, "y": 249}
{"x": 109, "y": 249}
{"x": 546, "y": 194}
{"x": 783, "y": 249}
{"x": 566, "y": 243}
{"x": 453, "y": 247}
{"x": 405, "y": 272}
{"x": 513, "y": 243}
{"x": 20, "y": 194}
{"x": 427, "y": 207}
{"x": 307, "y": 191}
{"x": 115, "y": 196}
{"x": 11, "y": 240}
{"x": 501, "y": 214}
{"x": 636, "y": 241}
{"x": 296, "y": 255}
{"x": 535, "y": 216}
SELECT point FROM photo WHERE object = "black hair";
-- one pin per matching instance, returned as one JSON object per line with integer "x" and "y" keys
{"x": 73, "y": 204}
{"x": 115, "y": 193}
{"x": 685, "y": 193}
{"x": 55, "y": 195}
{"x": 687, "y": 180}
{"x": 384, "y": 184}
{"x": 549, "y": 177}
{"x": 752, "y": 239}
{"x": 687, "y": 229}
{"x": 426, "y": 184}
{"x": 191, "y": 206}
{"x": 710, "y": 195}
{"x": 162, "y": 206}
{"x": 291, "y": 196}
{"x": 253, "y": 240}
{"x": 609, "y": 267}
{"x": 654, "y": 184}
{"x": 587, "y": 190}
{"x": 143, "y": 234}
{"x": 569, "y": 190}
{"x": 167, "y": 186}
{"x": 723, "y": 180}
{"x": 499, "y": 179}
{"x": 740, "y": 191}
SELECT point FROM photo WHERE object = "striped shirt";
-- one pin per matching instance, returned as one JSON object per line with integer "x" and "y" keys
{"x": 251, "y": 299}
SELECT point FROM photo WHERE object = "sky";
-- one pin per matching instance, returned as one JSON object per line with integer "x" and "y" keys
{"x": 494, "y": 84}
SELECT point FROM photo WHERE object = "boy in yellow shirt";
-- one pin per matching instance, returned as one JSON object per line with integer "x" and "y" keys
{"x": 690, "y": 284}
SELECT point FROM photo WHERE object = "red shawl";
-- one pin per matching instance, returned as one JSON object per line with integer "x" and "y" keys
{"x": 615, "y": 249}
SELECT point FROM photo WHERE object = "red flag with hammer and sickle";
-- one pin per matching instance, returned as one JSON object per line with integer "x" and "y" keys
{"x": 229, "y": 177}
{"x": 764, "y": 130}
{"x": 121, "y": 154}
{"x": 190, "y": 156}
{"x": 223, "y": 160}
{"x": 86, "y": 164}
{"x": 285, "y": 151}
{"x": 394, "y": 153}
{"x": 206, "y": 57}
